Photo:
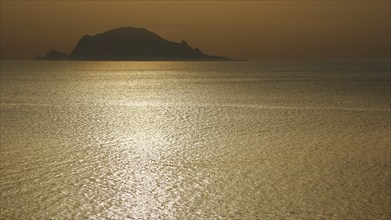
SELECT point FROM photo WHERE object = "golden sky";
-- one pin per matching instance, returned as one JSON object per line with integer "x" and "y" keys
{"x": 238, "y": 29}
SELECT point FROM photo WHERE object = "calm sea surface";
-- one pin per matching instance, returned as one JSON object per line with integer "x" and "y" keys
{"x": 195, "y": 140}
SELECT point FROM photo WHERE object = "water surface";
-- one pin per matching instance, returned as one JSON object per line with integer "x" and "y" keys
{"x": 195, "y": 140}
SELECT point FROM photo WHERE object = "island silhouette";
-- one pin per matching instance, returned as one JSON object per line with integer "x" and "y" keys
{"x": 129, "y": 43}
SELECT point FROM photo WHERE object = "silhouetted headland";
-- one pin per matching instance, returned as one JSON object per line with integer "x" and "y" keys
{"x": 128, "y": 43}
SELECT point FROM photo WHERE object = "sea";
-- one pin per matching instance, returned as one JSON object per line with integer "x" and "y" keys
{"x": 195, "y": 140}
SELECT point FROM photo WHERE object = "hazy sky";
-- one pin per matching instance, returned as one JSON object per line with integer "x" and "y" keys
{"x": 238, "y": 29}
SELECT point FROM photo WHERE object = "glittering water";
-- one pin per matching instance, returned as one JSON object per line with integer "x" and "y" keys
{"x": 195, "y": 140}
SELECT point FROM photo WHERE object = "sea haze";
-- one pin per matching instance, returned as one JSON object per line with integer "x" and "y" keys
{"x": 195, "y": 140}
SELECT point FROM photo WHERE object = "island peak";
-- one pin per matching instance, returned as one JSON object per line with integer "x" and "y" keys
{"x": 130, "y": 43}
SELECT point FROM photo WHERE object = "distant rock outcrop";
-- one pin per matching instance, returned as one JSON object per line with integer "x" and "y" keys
{"x": 54, "y": 55}
{"x": 127, "y": 43}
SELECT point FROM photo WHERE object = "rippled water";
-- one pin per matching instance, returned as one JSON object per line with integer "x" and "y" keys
{"x": 195, "y": 140}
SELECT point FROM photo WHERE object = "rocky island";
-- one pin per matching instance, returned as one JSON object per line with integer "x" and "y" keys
{"x": 128, "y": 43}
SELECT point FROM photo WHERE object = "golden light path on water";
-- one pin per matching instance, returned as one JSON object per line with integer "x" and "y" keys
{"x": 195, "y": 140}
